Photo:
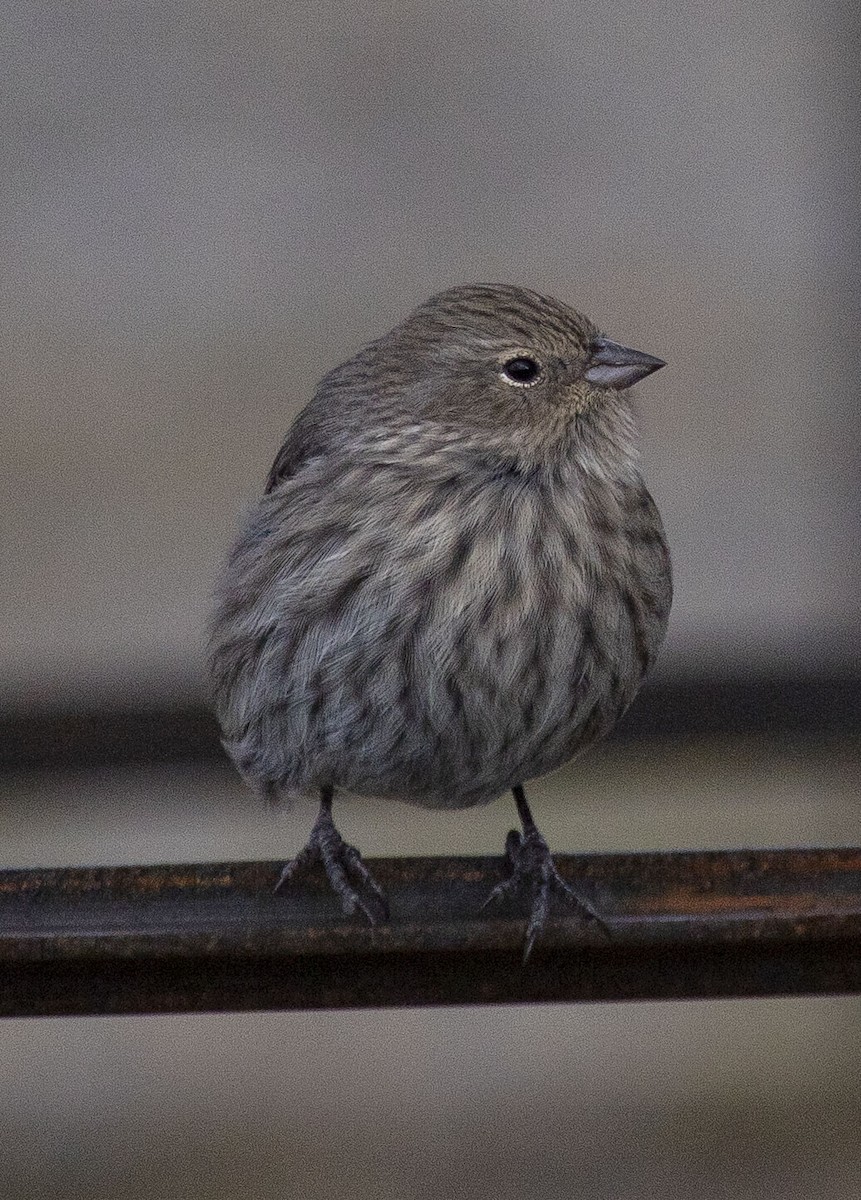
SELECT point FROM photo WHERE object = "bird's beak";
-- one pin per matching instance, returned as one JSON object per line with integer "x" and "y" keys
{"x": 614, "y": 366}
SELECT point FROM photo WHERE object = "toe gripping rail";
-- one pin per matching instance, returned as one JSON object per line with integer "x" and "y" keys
{"x": 209, "y": 937}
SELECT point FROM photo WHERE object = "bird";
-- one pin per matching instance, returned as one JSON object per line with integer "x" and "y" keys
{"x": 453, "y": 583}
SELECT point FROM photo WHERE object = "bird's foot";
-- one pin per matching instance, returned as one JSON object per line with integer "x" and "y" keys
{"x": 345, "y": 869}
{"x": 532, "y": 871}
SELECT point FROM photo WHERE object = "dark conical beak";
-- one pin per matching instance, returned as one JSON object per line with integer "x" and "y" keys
{"x": 614, "y": 366}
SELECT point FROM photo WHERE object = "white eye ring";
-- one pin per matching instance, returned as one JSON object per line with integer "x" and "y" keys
{"x": 521, "y": 369}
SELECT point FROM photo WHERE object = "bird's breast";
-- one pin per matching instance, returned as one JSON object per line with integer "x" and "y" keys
{"x": 543, "y": 616}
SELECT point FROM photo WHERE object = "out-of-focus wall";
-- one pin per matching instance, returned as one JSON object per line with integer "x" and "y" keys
{"x": 208, "y": 204}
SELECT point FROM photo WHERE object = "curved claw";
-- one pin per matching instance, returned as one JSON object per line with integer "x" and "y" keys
{"x": 293, "y": 866}
{"x": 356, "y": 866}
{"x": 501, "y": 889}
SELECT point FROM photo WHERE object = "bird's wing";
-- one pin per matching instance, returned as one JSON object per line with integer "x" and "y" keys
{"x": 299, "y": 445}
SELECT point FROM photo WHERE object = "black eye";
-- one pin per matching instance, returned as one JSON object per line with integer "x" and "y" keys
{"x": 521, "y": 369}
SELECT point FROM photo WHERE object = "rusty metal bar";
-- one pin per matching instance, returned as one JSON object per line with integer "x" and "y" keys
{"x": 193, "y": 938}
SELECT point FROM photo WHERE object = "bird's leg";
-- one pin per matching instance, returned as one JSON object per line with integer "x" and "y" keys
{"x": 348, "y": 876}
{"x": 531, "y": 869}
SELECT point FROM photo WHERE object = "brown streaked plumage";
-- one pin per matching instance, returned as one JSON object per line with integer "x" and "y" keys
{"x": 455, "y": 581}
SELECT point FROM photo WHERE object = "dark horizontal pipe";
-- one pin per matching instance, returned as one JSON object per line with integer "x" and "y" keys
{"x": 194, "y": 938}
{"x": 670, "y": 710}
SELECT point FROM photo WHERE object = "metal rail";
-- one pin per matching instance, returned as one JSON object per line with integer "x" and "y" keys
{"x": 205, "y": 937}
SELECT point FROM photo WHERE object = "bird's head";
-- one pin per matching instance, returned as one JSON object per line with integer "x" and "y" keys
{"x": 500, "y": 358}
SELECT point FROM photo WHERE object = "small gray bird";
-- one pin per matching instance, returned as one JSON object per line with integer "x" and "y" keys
{"x": 455, "y": 581}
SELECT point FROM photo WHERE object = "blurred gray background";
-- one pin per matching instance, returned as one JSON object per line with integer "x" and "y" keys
{"x": 204, "y": 207}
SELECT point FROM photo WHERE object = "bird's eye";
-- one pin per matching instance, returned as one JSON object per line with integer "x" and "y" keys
{"x": 521, "y": 370}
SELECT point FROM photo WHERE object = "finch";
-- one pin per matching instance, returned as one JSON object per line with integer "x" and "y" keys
{"x": 454, "y": 582}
